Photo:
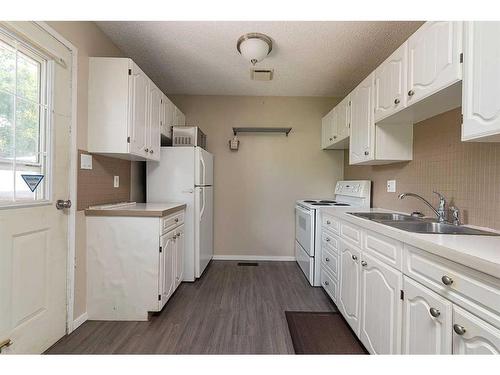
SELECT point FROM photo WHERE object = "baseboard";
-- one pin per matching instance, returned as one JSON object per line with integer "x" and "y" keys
{"x": 80, "y": 320}
{"x": 255, "y": 257}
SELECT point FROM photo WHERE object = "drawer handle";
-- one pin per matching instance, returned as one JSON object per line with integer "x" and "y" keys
{"x": 434, "y": 312}
{"x": 327, "y": 259}
{"x": 176, "y": 220}
{"x": 459, "y": 330}
{"x": 447, "y": 280}
{"x": 363, "y": 263}
{"x": 327, "y": 239}
{"x": 328, "y": 222}
{"x": 354, "y": 257}
{"x": 326, "y": 282}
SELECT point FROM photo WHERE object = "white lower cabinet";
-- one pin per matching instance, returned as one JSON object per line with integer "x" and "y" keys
{"x": 349, "y": 289}
{"x": 428, "y": 305}
{"x": 167, "y": 267}
{"x": 380, "y": 324}
{"x": 472, "y": 335}
{"x": 427, "y": 320}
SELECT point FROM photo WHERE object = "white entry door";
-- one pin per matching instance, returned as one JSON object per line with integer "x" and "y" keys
{"x": 35, "y": 120}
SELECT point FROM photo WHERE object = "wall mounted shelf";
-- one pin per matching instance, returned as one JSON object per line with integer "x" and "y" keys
{"x": 261, "y": 130}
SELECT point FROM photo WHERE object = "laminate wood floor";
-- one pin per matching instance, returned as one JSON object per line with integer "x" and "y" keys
{"x": 230, "y": 310}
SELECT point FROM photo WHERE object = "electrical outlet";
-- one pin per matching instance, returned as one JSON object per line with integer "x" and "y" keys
{"x": 116, "y": 181}
{"x": 85, "y": 161}
{"x": 391, "y": 186}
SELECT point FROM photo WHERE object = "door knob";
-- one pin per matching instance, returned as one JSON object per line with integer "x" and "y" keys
{"x": 434, "y": 312}
{"x": 447, "y": 280}
{"x": 62, "y": 204}
{"x": 411, "y": 93}
{"x": 397, "y": 101}
{"x": 459, "y": 330}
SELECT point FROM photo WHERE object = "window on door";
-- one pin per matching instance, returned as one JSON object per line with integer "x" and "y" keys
{"x": 24, "y": 124}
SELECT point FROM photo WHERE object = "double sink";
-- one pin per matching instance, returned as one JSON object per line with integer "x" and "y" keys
{"x": 418, "y": 225}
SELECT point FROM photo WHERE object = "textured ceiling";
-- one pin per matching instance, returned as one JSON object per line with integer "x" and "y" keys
{"x": 309, "y": 58}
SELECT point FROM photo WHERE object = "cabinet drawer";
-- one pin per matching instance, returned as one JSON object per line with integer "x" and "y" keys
{"x": 329, "y": 261}
{"x": 478, "y": 292}
{"x": 170, "y": 222}
{"x": 351, "y": 233}
{"x": 330, "y": 241}
{"x": 331, "y": 223}
{"x": 386, "y": 249}
{"x": 329, "y": 284}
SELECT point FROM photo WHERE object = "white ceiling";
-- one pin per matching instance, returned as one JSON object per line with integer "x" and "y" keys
{"x": 309, "y": 58}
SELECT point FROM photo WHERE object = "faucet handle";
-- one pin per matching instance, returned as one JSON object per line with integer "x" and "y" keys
{"x": 442, "y": 199}
{"x": 455, "y": 214}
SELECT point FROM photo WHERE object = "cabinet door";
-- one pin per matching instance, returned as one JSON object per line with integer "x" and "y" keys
{"x": 433, "y": 58}
{"x": 361, "y": 143}
{"x": 349, "y": 292}
{"x": 153, "y": 132}
{"x": 390, "y": 84}
{"x": 166, "y": 280}
{"x": 427, "y": 320}
{"x": 472, "y": 335}
{"x": 138, "y": 98}
{"x": 179, "y": 256}
{"x": 327, "y": 130}
{"x": 381, "y": 307}
{"x": 481, "y": 84}
{"x": 343, "y": 120}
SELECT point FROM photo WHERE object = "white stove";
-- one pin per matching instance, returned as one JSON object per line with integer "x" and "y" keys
{"x": 308, "y": 228}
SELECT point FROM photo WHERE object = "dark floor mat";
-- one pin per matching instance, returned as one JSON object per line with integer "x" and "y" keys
{"x": 322, "y": 333}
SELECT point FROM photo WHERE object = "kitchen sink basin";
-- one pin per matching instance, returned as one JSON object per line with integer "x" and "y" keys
{"x": 385, "y": 216}
{"x": 418, "y": 225}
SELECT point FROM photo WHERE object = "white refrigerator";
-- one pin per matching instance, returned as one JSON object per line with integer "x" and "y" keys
{"x": 185, "y": 174}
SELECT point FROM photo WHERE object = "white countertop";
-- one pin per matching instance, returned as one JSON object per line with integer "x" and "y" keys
{"x": 479, "y": 252}
{"x": 135, "y": 209}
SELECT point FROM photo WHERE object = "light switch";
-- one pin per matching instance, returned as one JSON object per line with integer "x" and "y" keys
{"x": 391, "y": 186}
{"x": 116, "y": 181}
{"x": 85, "y": 161}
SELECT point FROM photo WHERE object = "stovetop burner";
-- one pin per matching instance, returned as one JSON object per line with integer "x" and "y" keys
{"x": 321, "y": 204}
{"x": 341, "y": 204}
{"x": 327, "y": 201}
{"x": 309, "y": 201}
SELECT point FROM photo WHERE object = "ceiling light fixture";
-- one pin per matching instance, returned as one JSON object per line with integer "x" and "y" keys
{"x": 254, "y": 46}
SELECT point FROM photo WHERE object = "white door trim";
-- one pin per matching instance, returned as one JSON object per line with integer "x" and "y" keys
{"x": 70, "y": 279}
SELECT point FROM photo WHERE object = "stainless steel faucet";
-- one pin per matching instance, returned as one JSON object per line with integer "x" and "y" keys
{"x": 440, "y": 211}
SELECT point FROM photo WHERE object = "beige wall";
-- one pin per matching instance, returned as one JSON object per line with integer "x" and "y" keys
{"x": 90, "y": 41}
{"x": 467, "y": 173}
{"x": 257, "y": 186}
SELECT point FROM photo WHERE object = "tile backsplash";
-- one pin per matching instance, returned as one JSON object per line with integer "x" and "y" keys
{"x": 95, "y": 186}
{"x": 467, "y": 173}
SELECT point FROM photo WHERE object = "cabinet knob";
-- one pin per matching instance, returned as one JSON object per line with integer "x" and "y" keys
{"x": 334, "y": 137}
{"x": 459, "y": 330}
{"x": 178, "y": 234}
{"x": 151, "y": 151}
{"x": 176, "y": 220}
{"x": 331, "y": 139}
{"x": 327, "y": 239}
{"x": 327, "y": 259}
{"x": 411, "y": 93}
{"x": 146, "y": 149}
{"x": 434, "y": 312}
{"x": 447, "y": 280}
{"x": 397, "y": 101}
{"x": 367, "y": 153}
{"x": 363, "y": 263}
{"x": 354, "y": 257}
{"x": 328, "y": 222}
{"x": 326, "y": 282}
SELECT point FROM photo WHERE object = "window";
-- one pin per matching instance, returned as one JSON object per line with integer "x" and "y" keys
{"x": 24, "y": 124}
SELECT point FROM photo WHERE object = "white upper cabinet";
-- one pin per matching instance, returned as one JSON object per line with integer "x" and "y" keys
{"x": 380, "y": 324}
{"x": 361, "y": 143}
{"x": 327, "y": 130}
{"x": 472, "y": 335}
{"x": 481, "y": 82}
{"x": 124, "y": 110}
{"x": 390, "y": 84}
{"x": 433, "y": 59}
{"x": 427, "y": 320}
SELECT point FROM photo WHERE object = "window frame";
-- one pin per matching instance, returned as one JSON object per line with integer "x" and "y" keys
{"x": 45, "y": 123}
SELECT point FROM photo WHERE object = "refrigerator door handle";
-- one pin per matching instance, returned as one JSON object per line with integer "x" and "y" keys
{"x": 202, "y": 195}
{"x": 202, "y": 182}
